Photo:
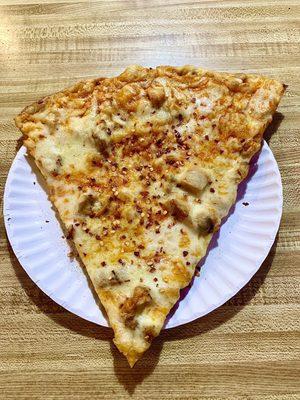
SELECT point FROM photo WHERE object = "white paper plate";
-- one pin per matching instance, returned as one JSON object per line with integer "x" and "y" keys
{"x": 235, "y": 253}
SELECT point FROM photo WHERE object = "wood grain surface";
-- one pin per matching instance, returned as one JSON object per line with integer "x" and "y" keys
{"x": 248, "y": 348}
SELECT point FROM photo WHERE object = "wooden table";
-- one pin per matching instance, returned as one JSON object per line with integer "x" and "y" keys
{"x": 247, "y": 349}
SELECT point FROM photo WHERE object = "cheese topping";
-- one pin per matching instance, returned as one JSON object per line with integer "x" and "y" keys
{"x": 142, "y": 168}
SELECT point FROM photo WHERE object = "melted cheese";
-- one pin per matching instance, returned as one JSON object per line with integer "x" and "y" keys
{"x": 121, "y": 157}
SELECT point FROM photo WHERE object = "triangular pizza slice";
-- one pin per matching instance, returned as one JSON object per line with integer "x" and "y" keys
{"x": 142, "y": 168}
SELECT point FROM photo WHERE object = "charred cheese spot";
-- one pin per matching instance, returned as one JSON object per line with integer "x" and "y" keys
{"x": 133, "y": 305}
{"x": 101, "y": 145}
{"x": 95, "y": 161}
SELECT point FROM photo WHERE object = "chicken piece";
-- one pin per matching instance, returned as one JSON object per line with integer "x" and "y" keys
{"x": 203, "y": 220}
{"x": 92, "y": 206}
{"x": 157, "y": 95}
{"x": 177, "y": 208}
{"x": 193, "y": 180}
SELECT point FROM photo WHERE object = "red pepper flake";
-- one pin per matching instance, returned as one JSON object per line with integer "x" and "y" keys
{"x": 185, "y": 253}
{"x": 136, "y": 253}
{"x": 96, "y": 163}
{"x": 245, "y": 203}
{"x": 152, "y": 269}
{"x": 212, "y": 190}
{"x": 77, "y": 224}
{"x": 84, "y": 254}
{"x": 123, "y": 237}
{"x": 188, "y": 263}
{"x": 103, "y": 263}
{"x": 121, "y": 261}
{"x": 98, "y": 237}
{"x": 206, "y": 137}
{"x": 155, "y": 279}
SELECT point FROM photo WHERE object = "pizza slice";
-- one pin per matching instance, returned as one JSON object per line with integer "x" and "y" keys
{"x": 142, "y": 168}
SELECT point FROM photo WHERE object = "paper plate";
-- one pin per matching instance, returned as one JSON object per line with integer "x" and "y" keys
{"x": 235, "y": 254}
